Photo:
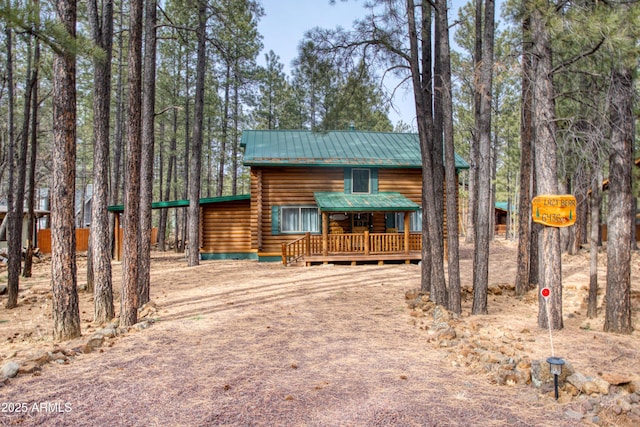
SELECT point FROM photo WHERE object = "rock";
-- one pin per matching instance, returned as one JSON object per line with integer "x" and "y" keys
{"x": 3, "y": 289}
{"x": 616, "y": 379}
{"x": 586, "y": 406}
{"x": 603, "y": 386}
{"x": 571, "y": 389}
{"x": 9, "y": 370}
{"x": 541, "y": 374}
{"x": 589, "y": 388}
{"x": 577, "y": 380}
{"x": 565, "y": 398}
{"x": 441, "y": 315}
{"x": 108, "y": 332}
{"x": 59, "y": 355}
{"x": 94, "y": 342}
{"x": 523, "y": 376}
{"x": 634, "y": 398}
{"x": 141, "y": 325}
{"x": 147, "y": 310}
{"x": 624, "y": 405}
{"x": 634, "y": 386}
{"x": 573, "y": 415}
{"x": 41, "y": 358}
{"x": 29, "y": 368}
{"x": 412, "y": 295}
{"x": 446, "y": 334}
{"x": 69, "y": 352}
{"x": 506, "y": 377}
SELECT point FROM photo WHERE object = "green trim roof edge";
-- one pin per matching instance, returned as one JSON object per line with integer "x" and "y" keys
{"x": 185, "y": 203}
{"x": 382, "y": 202}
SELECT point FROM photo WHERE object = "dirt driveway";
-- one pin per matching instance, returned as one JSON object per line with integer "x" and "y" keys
{"x": 239, "y": 343}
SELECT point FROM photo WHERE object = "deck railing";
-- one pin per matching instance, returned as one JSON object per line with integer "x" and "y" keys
{"x": 350, "y": 243}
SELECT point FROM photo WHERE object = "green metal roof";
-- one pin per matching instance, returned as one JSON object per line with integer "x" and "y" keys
{"x": 341, "y": 202}
{"x": 334, "y": 148}
{"x": 504, "y": 205}
{"x": 185, "y": 203}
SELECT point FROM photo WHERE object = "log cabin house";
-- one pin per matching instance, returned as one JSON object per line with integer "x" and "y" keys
{"x": 319, "y": 197}
{"x": 339, "y": 196}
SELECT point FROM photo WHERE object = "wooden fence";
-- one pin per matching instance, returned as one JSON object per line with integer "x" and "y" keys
{"x": 82, "y": 239}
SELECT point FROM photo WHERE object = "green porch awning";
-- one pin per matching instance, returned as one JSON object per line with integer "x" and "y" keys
{"x": 379, "y": 202}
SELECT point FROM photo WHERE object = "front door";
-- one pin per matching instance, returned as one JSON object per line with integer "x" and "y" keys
{"x": 360, "y": 222}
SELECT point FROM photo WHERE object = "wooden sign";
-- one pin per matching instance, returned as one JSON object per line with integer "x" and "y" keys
{"x": 554, "y": 210}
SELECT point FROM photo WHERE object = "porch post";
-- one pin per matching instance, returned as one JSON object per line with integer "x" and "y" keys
{"x": 407, "y": 231}
{"x": 367, "y": 246}
{"x": 325, "y": 234}
{"x": 116, "y": 237}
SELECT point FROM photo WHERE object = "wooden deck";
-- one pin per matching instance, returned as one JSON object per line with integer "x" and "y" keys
{"x": 353, "y": 248}
{"x": 355, "y": 259}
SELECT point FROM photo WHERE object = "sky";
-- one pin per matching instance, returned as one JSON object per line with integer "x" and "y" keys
{"x": 286, "y": 21}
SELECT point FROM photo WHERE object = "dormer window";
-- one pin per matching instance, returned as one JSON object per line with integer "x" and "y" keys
{"x": 360, "y": 180}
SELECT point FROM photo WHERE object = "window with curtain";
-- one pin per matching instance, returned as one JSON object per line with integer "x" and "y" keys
{"x": 415, "y": 221}
{"x": 299, "y": 220}
{"x": 360, "y": 181}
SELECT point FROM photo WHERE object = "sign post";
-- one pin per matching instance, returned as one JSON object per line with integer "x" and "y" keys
{"x": 554, "y": 210}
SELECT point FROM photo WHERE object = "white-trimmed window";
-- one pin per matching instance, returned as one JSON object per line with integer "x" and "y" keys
{"x": 360, "y": 180}
{"x": 415, "y": 221}
{"x": 299, "y": 219}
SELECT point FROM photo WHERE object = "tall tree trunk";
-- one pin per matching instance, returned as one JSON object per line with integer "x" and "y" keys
{"x": 420, "y": 89}
{"x": 11, "y": 220}
{"x": 33, "y": 155}
{"x": 473, "y": 149}
{"x": 147, "y": 157}
{"x": 116, "y": 169}
{"x": 162, "y": 227}
{"x": 576, "y": 233}
{"x": 187, "y": 146}
{"x": 236, "y": 127}
{"x": 66, "y": 316}
{"x": 162, "y": 217}
{"x": 454, "y": 298}
{"x": 618, "y": 307}
{"x": 523, "y": 282}
{"x": 20, "y": 172}
{"x": 437, "y": 153}
{"x": 594, "y": 237}
{"x": 427, "y": 96}
{"x": 195, "y": 162}
{"x": 225, "y": 132}
{"x": 131, "y": 256}
{"x": 550, "y": 268}
{"x": 483, "y": 232}
{"x": 101, "y": 22}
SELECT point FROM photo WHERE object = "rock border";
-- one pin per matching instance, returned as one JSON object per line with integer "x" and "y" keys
{"x": 33, "y": 363}
{"x": 501, "y": 356}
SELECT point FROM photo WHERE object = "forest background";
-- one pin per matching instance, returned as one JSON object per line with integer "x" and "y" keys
{"x": 96, "y": 91}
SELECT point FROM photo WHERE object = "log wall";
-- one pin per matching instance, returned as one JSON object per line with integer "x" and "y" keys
{"x": 294, "y": 186}
{"x": 226, "y": 227}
